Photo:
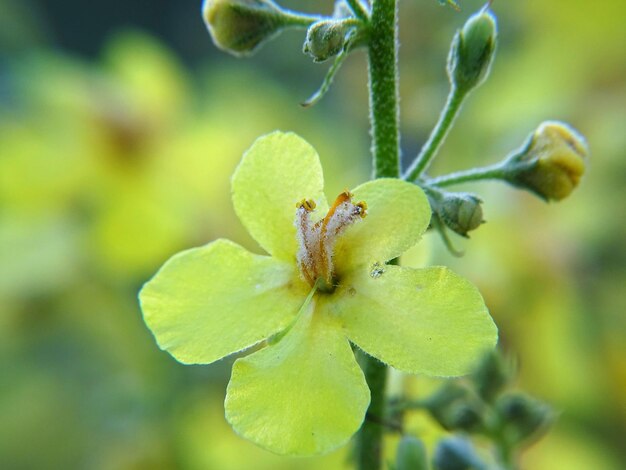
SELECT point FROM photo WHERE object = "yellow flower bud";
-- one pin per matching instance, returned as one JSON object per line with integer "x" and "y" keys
{"x": 241, "y": 26}
{"x": 552, "y": 163}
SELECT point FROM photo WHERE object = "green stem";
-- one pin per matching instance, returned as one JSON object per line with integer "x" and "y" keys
{"x": 497, "y": 171}
{"x": 384, "y": 119}
{"x": 299, "y": 20}
{"x": 438, "y": 135}
{"x": 357, "y": 8}
{"x": 383, "y": 83}
{"x": 370, "y": 437}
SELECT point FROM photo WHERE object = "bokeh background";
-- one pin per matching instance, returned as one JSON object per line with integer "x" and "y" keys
{"x": 120, "y": 125}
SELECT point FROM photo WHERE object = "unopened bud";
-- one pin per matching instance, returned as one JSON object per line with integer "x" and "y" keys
{"x": 444, "y": 399}
{"x": 455, "y": 453}
{"x": 411, "y": 454}
{"x": 472, "y": 51}
{"x": 552, "y": 162}
{"x": 491, "y": 375}
{"x": 463, "y": 417}
{"x": 461, "y": 212}
{"x": 241, "y": 26}
{"x": 522, "y": 415}
{"x": 326, "y": 39}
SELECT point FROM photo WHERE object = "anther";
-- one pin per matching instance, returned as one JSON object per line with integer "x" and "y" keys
{"x": 307, "y": 204}
{"x": 362, "y": 208}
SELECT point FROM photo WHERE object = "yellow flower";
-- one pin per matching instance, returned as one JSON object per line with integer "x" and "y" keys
{"x": 326, "y": 285}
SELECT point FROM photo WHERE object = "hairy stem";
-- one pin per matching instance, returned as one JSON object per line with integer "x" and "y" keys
{"x": 438, "y": 135}
{"x": 358, "y": 9}
{"x": 384, "y": 117}
{"x": 496, "y": 171}
{"x": 383, "y": 87}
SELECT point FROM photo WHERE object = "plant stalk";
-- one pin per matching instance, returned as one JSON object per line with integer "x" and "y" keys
{"x": 438, "y": 135}
{"x": 497, "y": 171}
{"x": 384, "y": 119}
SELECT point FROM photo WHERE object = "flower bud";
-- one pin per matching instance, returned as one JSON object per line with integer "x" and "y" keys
{"x": 440, "y": 403}
{"x": 456, "y": 453}
{"x": 472, "y": 51}
{"x": 463, "y": 416}
{"x": 326, "y": 39}
{"x": 551, "y": 163}
{"x": 411, "y": 454}
{"x": 491, "y": 376}
{"x": 522, "y": 415}
{"x": 241, "y": 26}
{"x": 461, "y": 212}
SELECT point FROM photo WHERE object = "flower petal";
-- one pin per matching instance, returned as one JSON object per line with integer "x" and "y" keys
{"x": 429, "y": 321}
{"x": 278, "y": 171}
{"x": 398, "y": 213}
{"x": 304, "y": 395}
{"x": 208, "y": 302}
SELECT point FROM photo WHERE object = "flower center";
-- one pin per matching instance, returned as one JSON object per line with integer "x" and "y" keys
{"x": 317, "y": 240}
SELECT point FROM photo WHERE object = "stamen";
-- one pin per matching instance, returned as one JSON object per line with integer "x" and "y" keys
{"x": 308, "y": 204}
{"x": 317, "y": 240}
{"x": 307, "y": 240}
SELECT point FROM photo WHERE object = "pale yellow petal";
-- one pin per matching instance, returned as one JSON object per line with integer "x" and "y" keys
{"x": 208, "y": 302}
{"x": 277, "y": 172}
{"x": 398, "y": 213}
{"x": 305, "y": 395}
{"x": 429, "y": 321}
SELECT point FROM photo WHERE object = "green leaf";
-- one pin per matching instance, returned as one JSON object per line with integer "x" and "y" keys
{"x": 427, "y": 321}
{"x": 208, "y": 302}
{"x": 305, "y": 395}
{"x": 278, "y": 171}
{"x": 397, "y": 214}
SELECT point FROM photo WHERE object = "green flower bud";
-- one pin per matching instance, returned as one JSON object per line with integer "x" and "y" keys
{"x": 472, "y": 51}
{"x": 455, "y": 453}
{"x": 411, "y": 454}
{"x": 491, "y": 375}
{"x": 444, "y": 399}
{"x": 461, "y": 212}
{"x": 551, "y": 163}
{"x": 463, "y": 416}
{"x": 326, "y": 39}
{"x": 241, "y": 26}
{"x": 522, "y": 415}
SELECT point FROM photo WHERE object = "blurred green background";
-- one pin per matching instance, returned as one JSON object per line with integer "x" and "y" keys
{"x": 120, "y": 125}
